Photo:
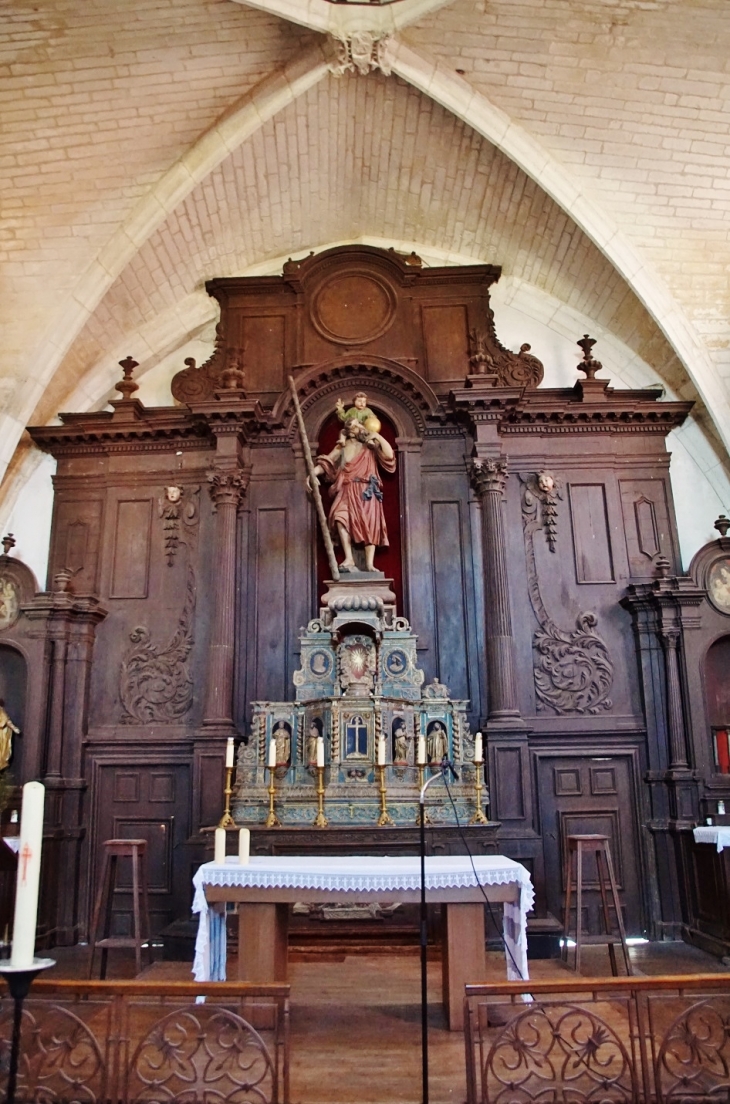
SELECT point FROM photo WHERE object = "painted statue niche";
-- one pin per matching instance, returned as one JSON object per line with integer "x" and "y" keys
{"x": 387, "y": 557}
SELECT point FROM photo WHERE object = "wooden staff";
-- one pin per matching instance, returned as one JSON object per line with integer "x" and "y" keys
{"x": 314, "y": 484}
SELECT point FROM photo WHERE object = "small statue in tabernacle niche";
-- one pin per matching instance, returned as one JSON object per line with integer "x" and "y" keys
{"x": 315, "y": 731}
{"x": 7, "y": 728}
{"x": 356, "y": 515}
{"x": 400, "y": 742}
{"x": 437, "y": 743}
{"x": 282, "y": 738}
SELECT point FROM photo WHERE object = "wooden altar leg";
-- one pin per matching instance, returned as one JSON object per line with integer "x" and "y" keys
{"x": 463, "y": 961}
{"x": 263, "y": 931}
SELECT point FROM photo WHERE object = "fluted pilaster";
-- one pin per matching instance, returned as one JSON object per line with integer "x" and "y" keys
{"x": 489, "y": 479}
{"x": 227, "y": 489}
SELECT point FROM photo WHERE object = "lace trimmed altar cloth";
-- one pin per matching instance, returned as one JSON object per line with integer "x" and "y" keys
{"x": 713, "y": 833}
{"x": 359, "y": 874}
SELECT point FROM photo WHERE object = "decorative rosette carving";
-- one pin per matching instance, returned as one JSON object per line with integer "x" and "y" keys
{"x": 574, "y": 671}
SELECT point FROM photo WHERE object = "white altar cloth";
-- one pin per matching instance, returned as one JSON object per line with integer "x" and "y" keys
{"x": 358, "y": 874}
{"x": 713, "y": 833}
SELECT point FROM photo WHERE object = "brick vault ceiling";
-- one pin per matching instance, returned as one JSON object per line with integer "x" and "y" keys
{"x": 360, "y": 158}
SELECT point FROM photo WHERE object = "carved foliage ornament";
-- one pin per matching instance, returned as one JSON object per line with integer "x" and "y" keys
{"x": 155, "y": 683}
{"x": 488, "y": 476}
{"x": 227, "y": 487}
{"x": 574, "y": 671}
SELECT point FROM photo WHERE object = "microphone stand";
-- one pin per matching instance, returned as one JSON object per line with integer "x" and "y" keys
{"x": 444, "y": 766}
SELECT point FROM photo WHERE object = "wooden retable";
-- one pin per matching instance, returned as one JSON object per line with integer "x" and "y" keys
{"x": 263, "y": 913}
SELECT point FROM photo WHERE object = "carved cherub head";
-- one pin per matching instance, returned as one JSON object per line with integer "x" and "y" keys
{"x": 173, "y": 494}
{"x": 546, "y": 482}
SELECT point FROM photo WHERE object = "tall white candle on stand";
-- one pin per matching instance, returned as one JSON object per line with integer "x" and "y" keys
{"x": 478, "y": 748}
{"x": 421, "y": 757}
{"x": 320, "y": 751}
{"x": 381, "y": 752}
{"x": 244, "y": 845}
{"x": 229, "y": 752}
{"x": 272, "y": 754}
{"x": 29, "y": 872}
{"x": 219, "y": 852}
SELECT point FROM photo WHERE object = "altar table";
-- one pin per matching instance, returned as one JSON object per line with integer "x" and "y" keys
{"x": 267, "y": 885}
{"x": 719, "y": 834}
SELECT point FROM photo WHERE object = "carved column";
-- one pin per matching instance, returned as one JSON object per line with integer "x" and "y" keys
{"x": 675, "y": 715}
{"x": 227, "y": 489}
{"x": 489, "y": 478}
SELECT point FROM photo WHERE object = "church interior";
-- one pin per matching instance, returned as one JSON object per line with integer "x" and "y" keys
{"x": 365, "y": 401}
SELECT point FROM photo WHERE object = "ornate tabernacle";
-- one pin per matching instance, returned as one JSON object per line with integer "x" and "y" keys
{"x": 359, "y": 681}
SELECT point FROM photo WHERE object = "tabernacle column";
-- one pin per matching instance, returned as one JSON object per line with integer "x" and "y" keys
{"x": 227, "y": 489}
{"x": 489, "y": 478}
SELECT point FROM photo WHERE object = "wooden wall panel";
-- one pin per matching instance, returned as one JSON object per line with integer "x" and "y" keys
{"x": 76, "y": 542}
{"x": 262, "y": 339}
{"x": 591, "y": 540}
{"x": 646, "y": 524}
{"x": 271, "y": 645}
{"x": 446, "y": 337}
{"x": 131, "y": 558}
{"x": 449, "y": 596}
{"x": 509, "y": 792}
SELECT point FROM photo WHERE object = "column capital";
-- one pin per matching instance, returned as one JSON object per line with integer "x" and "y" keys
{"x": 488, "y": 476}
{"x": 228, "y": 488}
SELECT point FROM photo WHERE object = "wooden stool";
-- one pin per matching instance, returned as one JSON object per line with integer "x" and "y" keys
{"x": 598, "y": 845}
{"x": 115, "y": 849}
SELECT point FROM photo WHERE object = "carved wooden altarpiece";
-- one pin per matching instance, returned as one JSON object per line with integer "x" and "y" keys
{"x": 184, "y": 578}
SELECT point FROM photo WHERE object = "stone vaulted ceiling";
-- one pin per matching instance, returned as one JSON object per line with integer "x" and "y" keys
{"x": 148, "y": 146}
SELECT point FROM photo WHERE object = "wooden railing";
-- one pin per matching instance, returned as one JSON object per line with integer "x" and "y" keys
{"x": 653, "y": 1040}
{"x": 123, "y": 1041}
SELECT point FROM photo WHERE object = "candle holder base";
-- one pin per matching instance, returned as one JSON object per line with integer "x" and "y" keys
{"x": 320, "y": 821}
{"x": 272, "y": 821}
{"x": 479, "y": 818}
{"x": 226, "y": 821}
{"x": 385, "y": 821}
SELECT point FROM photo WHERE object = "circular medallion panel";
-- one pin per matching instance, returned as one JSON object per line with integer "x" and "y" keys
{"x": 397, "y": 663}
{"x": 718, "y": 584}
{"x": 8, "y": 603}
{"x": 353, "y": 309}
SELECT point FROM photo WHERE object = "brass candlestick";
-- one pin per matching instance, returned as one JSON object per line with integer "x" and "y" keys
{"x": 479, "y": 817}
{"x": 421, "y": 776}
{"x": 227, "y": 821}
{"x": 320, "y": 821}
{"x": 384, "y": 819}
{"x": 272, "y": 820}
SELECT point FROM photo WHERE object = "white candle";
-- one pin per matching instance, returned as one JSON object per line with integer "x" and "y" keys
{"x": 219, "y": 854}
{"x": 421, "y": 758}
{"x": 29, "y": 872}
{"x": 272, "y": 754}
{"x": 320, "y": 751}
{"x": 244, "y": 846}
{"x": 381, "y": 751}
{"x": 478, "y": 749}
{"x": 229, "y": 752}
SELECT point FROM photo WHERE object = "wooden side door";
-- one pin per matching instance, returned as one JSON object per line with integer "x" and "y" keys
{"x": 581, "y": 795}
{"x": 149, "y": 801}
